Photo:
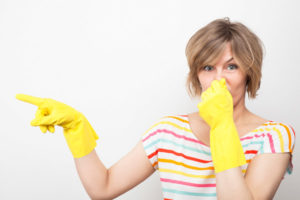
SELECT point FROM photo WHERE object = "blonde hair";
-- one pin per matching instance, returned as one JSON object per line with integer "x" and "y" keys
{"x": 208, "y": 43}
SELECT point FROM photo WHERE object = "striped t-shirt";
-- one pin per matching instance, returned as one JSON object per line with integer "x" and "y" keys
{"x": 185, "y": 165}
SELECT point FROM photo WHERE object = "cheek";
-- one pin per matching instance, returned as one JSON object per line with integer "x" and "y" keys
{"x": 236, "y": 81}
{"x": 205, "y": 82}
{"x": 205, "y": 86}
{"x": 237, "y": 87}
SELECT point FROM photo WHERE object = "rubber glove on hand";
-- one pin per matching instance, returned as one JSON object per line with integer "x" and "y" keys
{"x": 80, "y": 135}
{"x": 216, "y": 109}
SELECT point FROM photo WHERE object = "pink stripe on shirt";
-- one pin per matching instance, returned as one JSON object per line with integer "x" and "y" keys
{"x": 187, "y": 183}
{"x": 271, "y": 142}
{"x": 172, "y": 133}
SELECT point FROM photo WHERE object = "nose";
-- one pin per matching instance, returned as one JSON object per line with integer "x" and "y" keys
{"x": 219, "y": 74}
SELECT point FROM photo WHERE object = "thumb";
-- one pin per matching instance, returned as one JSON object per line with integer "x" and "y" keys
{"x": 43, "y": 121}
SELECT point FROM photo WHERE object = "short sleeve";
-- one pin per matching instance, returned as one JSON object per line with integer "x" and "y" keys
{"x": 279, "y": 138}
{"x": 150, "y": 140}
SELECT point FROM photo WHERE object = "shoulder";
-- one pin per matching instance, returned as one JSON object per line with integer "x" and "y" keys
{"x": 168, "y": 124}
{"x": 171, "y": 120}
{"x": 280, "y": 128}
{"x": 280, "y": 136}
{"x": 275, "y": 137}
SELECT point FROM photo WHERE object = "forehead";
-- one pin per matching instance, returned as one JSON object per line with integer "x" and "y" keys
{"x": 224, "y": 56}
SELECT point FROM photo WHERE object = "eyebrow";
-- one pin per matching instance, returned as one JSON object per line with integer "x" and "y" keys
{"x": 229, "y": 60}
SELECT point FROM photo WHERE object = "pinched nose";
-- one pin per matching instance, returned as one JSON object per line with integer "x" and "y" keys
{"x": 219, "y": 75}
{"x": 223, "y": 82}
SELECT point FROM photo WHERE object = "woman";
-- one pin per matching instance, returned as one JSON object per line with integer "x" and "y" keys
{"x": 221, "y": 151}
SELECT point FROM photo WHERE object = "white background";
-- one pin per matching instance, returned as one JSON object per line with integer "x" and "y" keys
{"x": 122, "y": 64}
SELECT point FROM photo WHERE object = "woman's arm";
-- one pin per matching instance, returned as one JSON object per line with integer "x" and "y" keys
{"x": 99, "y": 182}
{"x": 102, "y": 183}
{"x": 261, "y": 181}
{"x": 231, "y": 185}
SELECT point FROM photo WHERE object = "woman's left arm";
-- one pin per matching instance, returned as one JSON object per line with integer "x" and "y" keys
{"x": 261, "y": 181}
{"x": 265, "y": 171}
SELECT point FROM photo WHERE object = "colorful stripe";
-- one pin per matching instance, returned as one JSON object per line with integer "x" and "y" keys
{"x": 172, "y": 133}
{"x": 186, "y": 183}
{"x": 178, "y": 154}
{"x": 189, "y": 193}
{"x": 172, "y": 171}
{"x": 183, "y": 164}
{"x": 166, "y": 141}
{"x": 271, "y": 143}
{"x": 169, "y": 123}
{"x": 289, "y": 135}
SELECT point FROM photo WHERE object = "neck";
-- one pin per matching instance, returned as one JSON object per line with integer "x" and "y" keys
{"x": 240, "y": 112}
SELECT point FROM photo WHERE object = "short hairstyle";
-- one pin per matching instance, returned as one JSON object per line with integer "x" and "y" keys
{"x": 208, "y": 44}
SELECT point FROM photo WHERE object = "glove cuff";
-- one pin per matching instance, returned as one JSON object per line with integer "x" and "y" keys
{"x": 81, "y": 139}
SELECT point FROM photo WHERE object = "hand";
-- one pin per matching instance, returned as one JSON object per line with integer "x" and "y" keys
{"x": 217, "y": 104}
{"x": 79, "y": 134}
{"x": 50, "y": 113}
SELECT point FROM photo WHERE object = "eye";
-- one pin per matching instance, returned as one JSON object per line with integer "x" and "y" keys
{"x": 207, "y": 68}
{"x": 232, "y": 67}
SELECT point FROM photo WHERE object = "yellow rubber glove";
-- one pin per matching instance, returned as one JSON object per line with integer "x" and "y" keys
{"x": 80, "y": 135}
{"x": 216, "y": 109}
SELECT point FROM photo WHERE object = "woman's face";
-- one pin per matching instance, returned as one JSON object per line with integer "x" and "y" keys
{"x": 226, "y": 67}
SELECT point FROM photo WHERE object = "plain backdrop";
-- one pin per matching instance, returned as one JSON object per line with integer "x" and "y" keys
{"x": 122, "y": 63}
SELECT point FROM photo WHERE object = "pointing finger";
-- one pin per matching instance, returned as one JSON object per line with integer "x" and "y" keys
{"x": 30, "y": 99}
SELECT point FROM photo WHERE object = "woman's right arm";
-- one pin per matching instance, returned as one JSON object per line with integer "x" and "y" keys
{"x": 102, "y": 183}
